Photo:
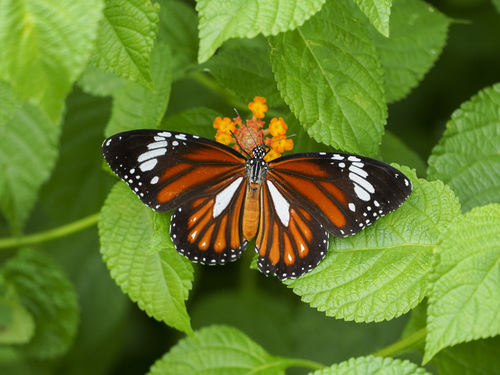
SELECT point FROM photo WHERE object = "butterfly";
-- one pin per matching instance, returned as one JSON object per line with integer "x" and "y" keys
{"x": 223, "y": 199}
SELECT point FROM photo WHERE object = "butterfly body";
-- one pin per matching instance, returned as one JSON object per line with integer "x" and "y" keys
{"x": 222, "y": 199}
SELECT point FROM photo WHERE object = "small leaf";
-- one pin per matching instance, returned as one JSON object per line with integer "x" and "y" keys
{"x": 378, "y": 12}
{"x": 222, "y": 20}
{"x": 467, "y": 158}
{"x": 126, "y": 38}
{"x": 243, "y": 67}
{"x": 375, "y": 366}
{"x": 464, "y": 303}
{"x": 418, "y": 36}
{"x": 329, "y": 74}
{"x": 45, "y": 46}
{"x": 381, "y": 272}
{"x": 28, "y": 152}
{"x": 48, "y": 295}
{"x": 135, "y": 107}
{"x": 20, "y": 325}
{"x": 217, "y": 350}
{"x": 158, "y": 282}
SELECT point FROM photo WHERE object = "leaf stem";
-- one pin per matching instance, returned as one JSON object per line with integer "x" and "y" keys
{"x": 62, "y": 231}
{"x": 404, "y": 343}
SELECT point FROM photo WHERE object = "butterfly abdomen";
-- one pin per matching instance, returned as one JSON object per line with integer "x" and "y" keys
{"x": 251, "y": 211}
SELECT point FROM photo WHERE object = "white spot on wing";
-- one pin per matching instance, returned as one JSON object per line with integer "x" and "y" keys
{"x": 158, "y": 144}
{"x": 151, "y": 154}
{"x": 148, "y": 165}
{"x": 223, "y": 199}
{"x": 281, "y": 205}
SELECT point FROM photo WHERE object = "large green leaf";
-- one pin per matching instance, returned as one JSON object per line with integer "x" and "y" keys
{"x": 329, "y": 74}
{"x": 217, "y": 350}
{"x": 378, "y": 12}
{"x": 45, "y": 46}
{"x": 464, "y": 302}
{"x": 467, "y": 157}
{"x": 47, "y": 294}
{"x": 135, "y": 107}
{"x": 157, "y": 279}
{"x": 373, "y": 366}
{"x": 28, "y": 152}
{"x": 418, "y": 36}
{"x": 127, "y": 32}
{"x": 221, "y": 20}
{"x": 381, "y": 272}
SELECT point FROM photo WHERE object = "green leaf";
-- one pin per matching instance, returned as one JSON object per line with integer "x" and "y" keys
{"x": 217, "y": 350}
{"x": 45, "y": 46}
{"x": 243, "y": 67}
{"x": 157, "y": 281}
{"x": 381, "y": 272}
{"x": 418, "y": 36}
{"x": 378, "y": 12}
{"x": 177, "y": 28}
{"x": 20, "y": 325}
{"x": 329, "y": 74}
{"x": 375, "y": 366}
{"x": 28, "y": 152}
{"x": 467, "y": 157}
{"x": 221, "y": 20}
{"x": 464, "y": 302}
{"x": 135, "y": 107}
{"x": 127, "y": 32}
{"x": 9, "y": 103}
{"x": 100, "y": 83}
{"x": 49, "y": 297}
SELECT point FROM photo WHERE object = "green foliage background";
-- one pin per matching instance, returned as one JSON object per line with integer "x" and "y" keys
{"x": 89, "y": 280}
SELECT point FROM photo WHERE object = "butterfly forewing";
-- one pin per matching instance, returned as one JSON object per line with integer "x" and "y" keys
{"x": 343, "y": 192}
{"x": 167, "y": 169}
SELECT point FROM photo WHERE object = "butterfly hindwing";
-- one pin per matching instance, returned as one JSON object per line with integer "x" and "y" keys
{"x": 209, "y": 229}
{"x": 290, "y": 241}
{"x": 343, "y": 192}
{"x": 166, "y": 169}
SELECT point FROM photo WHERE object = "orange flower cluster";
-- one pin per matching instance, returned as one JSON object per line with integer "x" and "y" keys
{"x": 253, "y": 134}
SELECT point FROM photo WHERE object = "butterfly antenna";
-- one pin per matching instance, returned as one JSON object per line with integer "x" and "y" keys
{"x": 250, "y": 133}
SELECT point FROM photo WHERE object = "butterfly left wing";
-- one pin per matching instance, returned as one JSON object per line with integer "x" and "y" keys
{"x": 200, "y": 178}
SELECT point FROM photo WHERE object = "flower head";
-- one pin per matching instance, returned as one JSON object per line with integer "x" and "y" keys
{"x": 258, "y": 107}
{"x": 253, "y": 133}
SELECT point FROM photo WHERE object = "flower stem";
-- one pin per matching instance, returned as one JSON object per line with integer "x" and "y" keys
{"x": 62, "y": 231}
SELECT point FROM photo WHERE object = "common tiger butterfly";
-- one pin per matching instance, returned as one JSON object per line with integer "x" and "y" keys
{"x": 223, "y": 199}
